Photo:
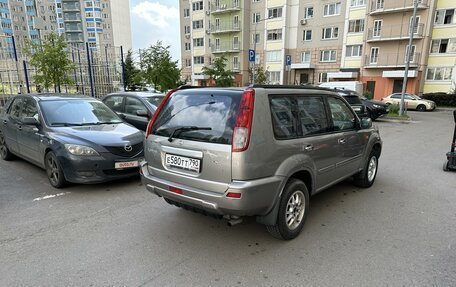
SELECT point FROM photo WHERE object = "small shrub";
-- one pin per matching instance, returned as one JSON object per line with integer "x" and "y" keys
{"x": 394, "y": 109}
{"x": 441, "y": 99}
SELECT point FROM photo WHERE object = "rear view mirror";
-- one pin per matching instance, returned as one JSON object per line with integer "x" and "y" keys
{"x": 142, "y": 113}
{"x": 30, "y": 121}
{"x": 366, "y": 123}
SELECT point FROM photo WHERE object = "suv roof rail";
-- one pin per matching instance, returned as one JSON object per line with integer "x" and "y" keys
{"x": 302, "y": 87}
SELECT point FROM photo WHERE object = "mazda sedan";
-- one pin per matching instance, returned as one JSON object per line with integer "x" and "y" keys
{"x": 74, "y": 138}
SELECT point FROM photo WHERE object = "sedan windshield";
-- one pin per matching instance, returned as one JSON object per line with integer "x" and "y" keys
{"x": 77, "y": 113}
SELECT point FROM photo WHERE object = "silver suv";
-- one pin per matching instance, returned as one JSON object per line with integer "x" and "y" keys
{"x": 258, "y": 151}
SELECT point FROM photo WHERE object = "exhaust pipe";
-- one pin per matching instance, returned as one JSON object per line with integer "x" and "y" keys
{"x": 233, "y": 221}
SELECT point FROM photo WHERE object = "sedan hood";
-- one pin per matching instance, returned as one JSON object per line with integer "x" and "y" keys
{"x": 102, "y": 135}
{"x": 377, "y": 102}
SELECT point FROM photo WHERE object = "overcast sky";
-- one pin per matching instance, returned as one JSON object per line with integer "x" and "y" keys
{"x": 153, "y": 20}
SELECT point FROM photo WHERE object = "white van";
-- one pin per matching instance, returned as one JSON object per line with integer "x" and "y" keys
{"x": 345, "y": 85}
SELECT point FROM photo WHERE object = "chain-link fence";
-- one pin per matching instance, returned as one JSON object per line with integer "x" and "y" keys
{"x": 96, "y": 72}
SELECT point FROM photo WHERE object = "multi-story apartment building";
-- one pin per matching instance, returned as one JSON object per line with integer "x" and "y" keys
{"x": 333, "y": 40}
{"x": 441, "y": 65}
{"x": 100, "y": 23}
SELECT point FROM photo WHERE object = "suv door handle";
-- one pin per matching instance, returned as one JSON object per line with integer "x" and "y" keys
{"x": 19, "y": 128}
{"x": 309, "y": 147}
{"x": 341, "y": 141}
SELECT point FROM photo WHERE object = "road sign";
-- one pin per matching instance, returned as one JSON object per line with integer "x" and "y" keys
{"x": 288, "y": 60}
{"x": 251, "y": 55}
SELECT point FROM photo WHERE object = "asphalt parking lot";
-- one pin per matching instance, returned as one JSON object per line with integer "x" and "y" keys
{"x": 400, "y": 232}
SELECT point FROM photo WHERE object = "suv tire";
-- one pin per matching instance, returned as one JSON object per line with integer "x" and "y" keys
{"x": 4, "y": 151}
{"x": 366, "y": 177}
{"x": 293, "y": 209}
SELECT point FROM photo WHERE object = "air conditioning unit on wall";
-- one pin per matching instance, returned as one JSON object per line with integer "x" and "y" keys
{"x": 303, "y": 22}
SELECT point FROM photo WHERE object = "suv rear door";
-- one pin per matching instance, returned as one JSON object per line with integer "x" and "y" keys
{"x": 199, "y": 158}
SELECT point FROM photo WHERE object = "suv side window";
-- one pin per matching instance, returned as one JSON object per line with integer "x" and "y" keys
{"x": 132, "y": 105}
{"x": 343, "y": 118}
{"x": 312, "y": 115}
{"x": 283, "y": 119}
{"x": 29, "y": 109}
{"x": 15, "y": 108}
{"x": 115, "y": 103}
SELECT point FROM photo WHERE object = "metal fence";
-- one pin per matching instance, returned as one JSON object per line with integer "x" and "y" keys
{"x": 96, "y": 72}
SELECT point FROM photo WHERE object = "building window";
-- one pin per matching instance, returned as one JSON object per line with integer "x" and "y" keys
{"x": 356, "y": 26}
{"x": 379, "y": 4}
{"x": 354, "y": 51}
{"x": 198, "y": 42}
{"x": 307, "y": 35}
{"x": 357, "y": 3}
{"x": 198, "y": 24}
{"x": 330, "y": 33}
{"x": 275, "y": 34}
{"x": 439, "y": 74}
{"x": 308, "y": 12}
{"x": 443, "y": 46}
{"x": 332, "y": 9}
{"x": 236, "y": 65}
{"x": 256, "y": 38}
{"x": 197, "y": 6}
{"x": 305, "y": 57}
{"x": 377, "y": 28}
{"x": 274, "y": 56}
{"x": 274, "y": 77}
{"x": 444, "y": 17}
{"x": 198, "y": 60}
{"x": 186, "y": 12}
{"x": 328, "y": 55}
{"x": 256, "y": 1}
{"x": 188, "y": 46}
{"x": 256, "y": 18}
{"x": 274, "y": 12}
{"x": 188, "y": 63}
{"x": 373, "y": 59}
{"x": 411, "y": 55}
{"x": 323, "y": 77}
{"x": 187, "y": 29}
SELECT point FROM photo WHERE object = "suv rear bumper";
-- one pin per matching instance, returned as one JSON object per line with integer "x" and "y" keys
{"x": 257, "y": 196}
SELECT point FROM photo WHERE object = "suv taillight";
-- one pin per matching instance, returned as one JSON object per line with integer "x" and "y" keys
{"x": 157, "y": 111}
{"x": 242, "y": 128}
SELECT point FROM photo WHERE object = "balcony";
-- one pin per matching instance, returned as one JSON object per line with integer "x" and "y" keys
{"x": 394, "y": 6}
{"x": 72, "y": 17}
{"x": 226, "y": 27}
{"x": 226, "y": 48}
{"x": 73, "y": 28}
{"x": 391, "y": 60}
{"x": 220, "y": 7}
{"x": 394, "y": 33}
{"x": 71, "y": 7}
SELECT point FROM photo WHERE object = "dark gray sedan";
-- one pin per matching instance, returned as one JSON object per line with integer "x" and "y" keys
{"x": 76, "y": 139}
{"x": 136, "y": 108}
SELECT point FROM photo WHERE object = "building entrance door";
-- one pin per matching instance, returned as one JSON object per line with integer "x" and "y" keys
{"x": 397, "y": 86}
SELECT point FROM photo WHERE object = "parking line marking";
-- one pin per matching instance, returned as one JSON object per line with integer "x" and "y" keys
{"x": 50, "y": 196}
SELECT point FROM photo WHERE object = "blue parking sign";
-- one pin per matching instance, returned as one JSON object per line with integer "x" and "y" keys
{"x": 251, "y": 55}
{"x": 288, "y": 60}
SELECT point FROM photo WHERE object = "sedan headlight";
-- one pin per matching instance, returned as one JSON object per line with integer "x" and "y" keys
{"x": 377, "y": 106}
{"x": 76, "y": 149}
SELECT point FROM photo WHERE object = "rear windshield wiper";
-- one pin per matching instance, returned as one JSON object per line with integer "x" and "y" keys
{"x": 186, "y": 129}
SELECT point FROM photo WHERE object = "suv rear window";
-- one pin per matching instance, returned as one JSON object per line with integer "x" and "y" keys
{"x": 206, "y": 109}
{"x": 353, "y": 99}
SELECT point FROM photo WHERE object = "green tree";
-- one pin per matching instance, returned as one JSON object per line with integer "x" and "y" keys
{"x": 51, "y": 60}
{"x": 260, "y": 75}
{"x": 158, "y": 68}
{"x": 133, "y": 78}
{"x": 219, "y": 73}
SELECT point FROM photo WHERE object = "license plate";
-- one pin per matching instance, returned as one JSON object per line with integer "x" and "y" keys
{"x": 126, "y": 164}
{"x": 182, "y": 162}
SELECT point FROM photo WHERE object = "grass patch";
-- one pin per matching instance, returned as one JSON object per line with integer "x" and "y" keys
{"x": 394, "y": 113}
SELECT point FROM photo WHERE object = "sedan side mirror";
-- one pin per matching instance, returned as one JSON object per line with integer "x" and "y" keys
{"x": 30, "y": 121}
{"x": 366, "y": 123}
{"x": 142, "y": 113}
